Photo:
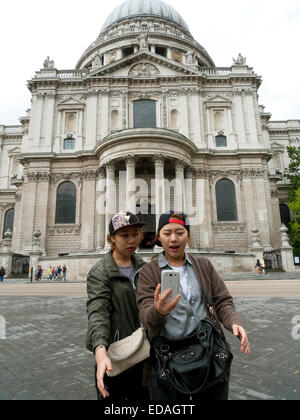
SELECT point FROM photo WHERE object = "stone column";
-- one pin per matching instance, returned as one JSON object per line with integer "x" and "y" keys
{"x": 204, "y": 196}
{"x": 265, "y": 216}
{"x": 110, "y": 197}
{"x": 43, "y": 186}
{"x": 287, "y": 255}
{"x": 91, "y": 121}
{"x": 100, "y": 210}
{"x": 29, "y": 198}
{"x": 88, "y": 210}
{"x": 159, "y": 186}
{"x": 130, "y": 183}
{"x": 6, "y": 254}
{"x": 180, "y": 203}
{"x": 190, "y": 210}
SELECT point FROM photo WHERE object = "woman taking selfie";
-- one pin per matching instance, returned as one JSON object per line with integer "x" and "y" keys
{"x": 112, "y": 309}
{"x": 182, "y": 365}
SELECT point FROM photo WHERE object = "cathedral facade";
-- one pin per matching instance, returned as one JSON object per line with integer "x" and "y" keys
{"x": 144, "y": 122}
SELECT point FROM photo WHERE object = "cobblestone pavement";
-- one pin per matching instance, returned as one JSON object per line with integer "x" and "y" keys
{"x": 44, "y": 356}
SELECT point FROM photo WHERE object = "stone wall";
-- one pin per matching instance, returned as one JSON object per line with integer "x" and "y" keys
{"x": 79, "y": 265}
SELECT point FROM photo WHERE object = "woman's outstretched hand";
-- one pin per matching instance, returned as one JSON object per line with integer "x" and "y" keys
{"x": 160, "y": 304}
{"x": 240, "y": 333}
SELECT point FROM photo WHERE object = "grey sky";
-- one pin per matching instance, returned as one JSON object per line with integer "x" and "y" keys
{"x": 266, "y": 32}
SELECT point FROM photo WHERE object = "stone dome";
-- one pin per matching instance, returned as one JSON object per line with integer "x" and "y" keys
{"x": 140, "y": 8}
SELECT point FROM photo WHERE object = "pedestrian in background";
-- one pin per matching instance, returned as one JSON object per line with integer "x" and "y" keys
{"x": 64, "y": 271}
{"x": 257, "y": 267}
{"x": 2, "y": 274}
{"x": 39, "y": 273}
{"x": 59, "y": 270}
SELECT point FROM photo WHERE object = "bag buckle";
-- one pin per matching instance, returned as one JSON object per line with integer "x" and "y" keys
{"x": 164, "y": 348}
{"x": 221, "y": 356}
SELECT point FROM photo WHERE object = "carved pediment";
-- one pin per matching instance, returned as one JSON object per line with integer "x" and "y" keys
{"x": 218, "y": 101}
{"x": 70, "y": 104}
{"x": 133, "y": 66}
{"x": 275, "y": 145}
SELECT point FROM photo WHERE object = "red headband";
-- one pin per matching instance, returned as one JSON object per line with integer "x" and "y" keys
{"x": 180, "y": 222}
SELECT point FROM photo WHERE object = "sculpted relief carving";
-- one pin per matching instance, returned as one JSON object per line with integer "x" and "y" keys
{"x": 143, "y": 70}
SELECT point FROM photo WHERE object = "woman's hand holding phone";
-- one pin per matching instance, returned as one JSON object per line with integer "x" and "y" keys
{"x": 161, "y": 306}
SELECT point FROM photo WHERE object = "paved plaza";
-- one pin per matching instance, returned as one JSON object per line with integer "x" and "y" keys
{"x": 43, "y": 355}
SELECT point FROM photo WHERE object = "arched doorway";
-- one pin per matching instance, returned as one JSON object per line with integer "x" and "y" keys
{"x": 146, "y": 214}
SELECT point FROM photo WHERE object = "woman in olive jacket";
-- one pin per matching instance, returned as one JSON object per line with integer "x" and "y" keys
{"x": 112, "y": 309}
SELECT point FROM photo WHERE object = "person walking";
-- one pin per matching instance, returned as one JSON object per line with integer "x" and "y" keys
{"x": 64, "y": 271}
{"x": 178, "y": 320}
{"x": 59, "y": 271}
{"x": 39, "y": 273}
{"x": 2, "y": 274}
{"x": 49, "y": 273}
{"x": 263, "y": 267}
{"x": 258, "y": 267}
{"x": 112, "y": 309}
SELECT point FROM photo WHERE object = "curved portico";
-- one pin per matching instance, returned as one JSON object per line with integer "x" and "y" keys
{"x": 145, "y": 142}
{"x": 144, "y": 170}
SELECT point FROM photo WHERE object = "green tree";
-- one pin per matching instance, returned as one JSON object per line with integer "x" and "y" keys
{"x": 293, "y": 175}
{"x": 295, "y": 224}
{"x": 293, "y": 171}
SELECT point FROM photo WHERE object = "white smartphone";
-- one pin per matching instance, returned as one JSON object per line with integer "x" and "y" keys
{"x": 170, "y": 280}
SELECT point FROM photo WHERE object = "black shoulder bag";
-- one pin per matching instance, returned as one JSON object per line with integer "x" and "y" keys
{"x": 196, "y": 363}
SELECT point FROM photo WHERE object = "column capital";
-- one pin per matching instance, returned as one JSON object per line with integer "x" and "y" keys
{"x": 130, "y": 159}
{"x": 181, "y": 164}
{"x": 110, "y": 165}
{"x": 159, "y": 159}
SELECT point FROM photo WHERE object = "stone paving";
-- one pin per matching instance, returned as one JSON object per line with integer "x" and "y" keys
{"x": 44, "y": 358}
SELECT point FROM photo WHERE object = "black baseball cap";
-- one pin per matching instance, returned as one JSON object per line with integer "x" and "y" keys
{"x": 170, "y": 217}
{"x": 122, "y": 220}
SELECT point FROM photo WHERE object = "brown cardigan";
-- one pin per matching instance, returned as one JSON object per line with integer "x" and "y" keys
{"x": 209, "y": 280}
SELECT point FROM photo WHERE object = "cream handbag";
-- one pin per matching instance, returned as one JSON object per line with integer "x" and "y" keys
{"x": 128, "y": 352}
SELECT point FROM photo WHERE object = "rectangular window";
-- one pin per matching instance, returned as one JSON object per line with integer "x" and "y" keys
{"x": 69, "y": 144}
{"x": 221, "y": 141}
{"x": 144, "y": 114}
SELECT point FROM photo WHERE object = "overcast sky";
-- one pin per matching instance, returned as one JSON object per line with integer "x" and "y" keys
{"x": 266, "y": 32}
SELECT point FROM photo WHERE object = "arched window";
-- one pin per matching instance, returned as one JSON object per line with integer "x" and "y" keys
{"x": 66, "y": 203}
{"x": 8, "y": 220}
{"x": 144, "y": 114}
{"x": 226, "y": 201}
{"x": 285, "y": 215}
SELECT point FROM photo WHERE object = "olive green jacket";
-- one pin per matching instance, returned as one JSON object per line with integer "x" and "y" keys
{"x": 111, "y": 306}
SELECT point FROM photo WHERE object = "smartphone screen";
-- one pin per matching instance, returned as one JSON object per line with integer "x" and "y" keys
{"x": 170, "y": 280}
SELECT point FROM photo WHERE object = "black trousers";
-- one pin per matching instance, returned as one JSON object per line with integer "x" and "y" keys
{"x": 218, "y": 392}
{"x": 128, "y": 386}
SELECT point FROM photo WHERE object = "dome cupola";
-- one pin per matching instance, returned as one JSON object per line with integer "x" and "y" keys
{"x": 140, "y": 8}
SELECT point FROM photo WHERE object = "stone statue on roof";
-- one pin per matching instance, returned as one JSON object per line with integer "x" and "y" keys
{"x": 240, "y": 60}
{"x": 48, "y": 64}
